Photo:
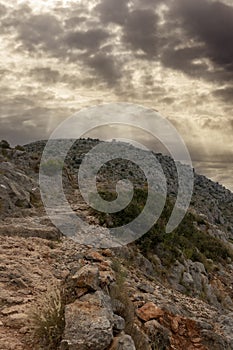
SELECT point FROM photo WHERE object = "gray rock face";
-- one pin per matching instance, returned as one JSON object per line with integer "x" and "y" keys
{"x": 19, "y": 192}
{"x": 145, "y": 287}
{"x": 89, "y": 323}
{"x": 226, "y": 325}
{"x": 191, "y": 277}
{"x": 119, "y": 324}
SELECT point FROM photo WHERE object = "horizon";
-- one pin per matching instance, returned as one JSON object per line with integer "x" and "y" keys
{"x": 128, "y": 141}
{"x": 174, "y": 56}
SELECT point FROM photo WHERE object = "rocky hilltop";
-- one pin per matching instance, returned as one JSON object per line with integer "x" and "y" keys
{"x": 164, "y": 291}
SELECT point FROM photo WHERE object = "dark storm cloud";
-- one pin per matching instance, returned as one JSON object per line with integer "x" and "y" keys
{"x": 192, "y": 31}
{"x": 106, "y": 67}
{"x": 112, "y": 11}
{"x": 74, "y": 22}
{"x": 90, "y": 39}
{"x": 204, "y": 24}
{"x": 141, "y": 31}
{"x": 211, "y": 23}
{"x": 40, "y": 30}
{"x": 184, "y": 60}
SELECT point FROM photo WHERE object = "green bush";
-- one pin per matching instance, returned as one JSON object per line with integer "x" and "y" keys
{"x": 185, "y": 240}
{"x": 52, "y": 167}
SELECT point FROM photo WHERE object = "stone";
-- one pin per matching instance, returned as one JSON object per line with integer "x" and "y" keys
{"x": 94, "y": 256}
{"x": 145, "y": 287}
{"x": 107, "y": 277}
{"x": 175, "y": 324}
{"x": 108, "y": 253}
{"x": 87, "y": 277}
{"x": 118, "y": 324}
{"x": 123, "y": 342}
{"x": 187, "y": 280}
{"x": 149, "y": 311}
{"x": 155, "y": 330}
{"x": 88, "y": 323}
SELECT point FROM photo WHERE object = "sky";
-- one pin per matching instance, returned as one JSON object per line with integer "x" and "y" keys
{"x": 176, "y": 56}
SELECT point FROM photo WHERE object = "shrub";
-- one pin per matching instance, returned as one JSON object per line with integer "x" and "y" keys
{"x": 47, "y": 319}
{"x": 186, "y": 240}
{"x": 51, "y": 167}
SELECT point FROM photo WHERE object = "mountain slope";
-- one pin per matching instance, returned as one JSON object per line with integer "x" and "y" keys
{"x": 162, "y": 292}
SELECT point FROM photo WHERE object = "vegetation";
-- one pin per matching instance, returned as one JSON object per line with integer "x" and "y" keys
{"x": 124, "y": 307}
{"x": 52, "y": 167}
{"x": 186, "y": 240}
{"x": 47, "y": 318}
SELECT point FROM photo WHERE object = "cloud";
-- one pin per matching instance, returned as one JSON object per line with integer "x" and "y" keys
{"x": 205, "y": 24}
{"x": 225, "y": 93}
{"x": 186, "y": 60}
{"x": 3, "y": 10}
{"x": 112, "y": 11}
{"x": 90, "y": 39}
{"x": 39, "y": 31}
{"x": 45, "y": 75}
{"x": 140, "y": 31}
{"x": 106, "y": 67}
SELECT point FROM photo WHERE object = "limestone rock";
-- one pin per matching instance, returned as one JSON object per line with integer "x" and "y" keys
{"x": 88, "y": 324}
{"x": 118, "y": 323}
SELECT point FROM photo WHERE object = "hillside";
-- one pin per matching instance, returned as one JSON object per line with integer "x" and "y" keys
{"x": 164, "y": 291}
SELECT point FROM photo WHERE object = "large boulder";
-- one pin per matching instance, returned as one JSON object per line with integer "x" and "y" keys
{"x": 88, "y": 323}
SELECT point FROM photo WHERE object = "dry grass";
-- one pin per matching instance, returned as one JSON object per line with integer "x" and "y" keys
{"x": 47, "y": 319}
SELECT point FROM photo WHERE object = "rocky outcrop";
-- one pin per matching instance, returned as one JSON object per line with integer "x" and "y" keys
{"x": 89, "y": 323}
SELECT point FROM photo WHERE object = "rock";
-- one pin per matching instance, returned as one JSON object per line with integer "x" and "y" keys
{"x": 214, "y": 341}
{"x": 118, "y": 324}
{"x": 87, "y": 277}
{"x": 144, "y": 265}
{"x": 175, "y": 322}
{"x": 94, "y": 256}
{"x": 144, "y": 287}
{"x": 106, "y": 278}
{"x": 177, "y": 273}
{"x": 124, "y": 342}
{"x": 226, "y": 324}
{"x": 29, "y": 228}
{"x": 149, "y": 311}
{"x": 187, "y": 280}
{"x": 108, "y": 253}
{"x": 158, "y": 333}
{"x": 88, "y": 323}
